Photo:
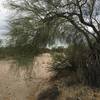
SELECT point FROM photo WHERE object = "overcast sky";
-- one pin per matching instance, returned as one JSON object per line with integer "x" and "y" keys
{"x": 4, "y": 16}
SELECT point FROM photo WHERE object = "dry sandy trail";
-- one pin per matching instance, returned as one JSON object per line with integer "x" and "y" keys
{"x": 16, "y": 87}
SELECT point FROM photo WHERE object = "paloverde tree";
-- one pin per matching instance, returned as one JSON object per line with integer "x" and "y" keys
{"x": 53, "y": 20}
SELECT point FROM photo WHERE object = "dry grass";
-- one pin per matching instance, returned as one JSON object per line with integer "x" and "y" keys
{"x": 69, "y": 89}
{"x": 76, "y": 92}
{"x": 79, "y": 93}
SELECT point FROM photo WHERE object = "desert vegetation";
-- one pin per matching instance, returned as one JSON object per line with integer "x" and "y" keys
{"x": 39, "y": 26}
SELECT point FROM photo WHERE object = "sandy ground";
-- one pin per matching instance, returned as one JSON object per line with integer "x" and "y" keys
{"x": 17, "y": 87}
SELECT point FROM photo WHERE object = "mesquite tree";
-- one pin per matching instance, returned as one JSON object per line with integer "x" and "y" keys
{"x": 57, "y": 19}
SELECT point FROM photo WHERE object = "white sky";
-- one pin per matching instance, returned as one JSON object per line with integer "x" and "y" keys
{"x": 4, "y": 16}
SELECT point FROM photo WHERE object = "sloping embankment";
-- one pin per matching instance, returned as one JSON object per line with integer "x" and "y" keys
{"x": 17, "y": 83}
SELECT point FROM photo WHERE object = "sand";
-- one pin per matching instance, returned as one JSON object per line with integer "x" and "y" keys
{"x": 14, "y": 85}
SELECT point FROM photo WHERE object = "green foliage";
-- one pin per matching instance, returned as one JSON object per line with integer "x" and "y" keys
{"x": 77, "y": 54}
{"x": 71, "y": 59}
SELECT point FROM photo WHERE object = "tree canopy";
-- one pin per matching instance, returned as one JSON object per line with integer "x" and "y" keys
{"x": 49, "y": 20}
